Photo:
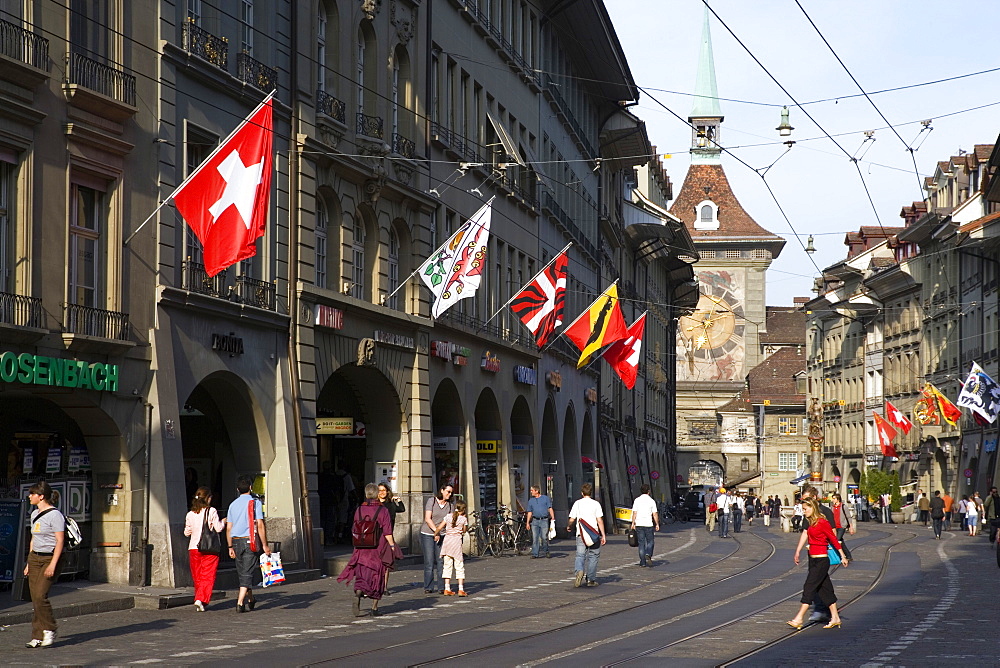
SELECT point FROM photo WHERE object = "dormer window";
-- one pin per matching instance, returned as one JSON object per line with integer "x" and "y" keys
{"x": 706, "y": 216}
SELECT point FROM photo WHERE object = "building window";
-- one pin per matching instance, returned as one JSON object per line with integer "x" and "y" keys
{"x": 85, "y": 262}
{"x": 393, "y": 268}
{"x": 395, "y": 94}
{"x": 321, "y": 48}
{"x": 742, "y": 432}
{"x": 246, "y": 30}
{"x": 706, "y": 215}
{"x": 788, "y": 426}
{"x": 6, "y": 226}
{"x": 194, "y": 11}
{"x": 197, "y": 148}
{"x": 361, "y": 71}
{"x": 322, "y": 225}
{"x": 788, "y": 461}
{"x": 745, "y": 464}
{"x": 358, "y": 271}
{"x": 733, "y": 253}
{"x": 88, "y": 28}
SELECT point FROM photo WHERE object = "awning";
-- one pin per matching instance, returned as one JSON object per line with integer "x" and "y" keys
{"x": 588, "y": 460}
{"x": 801, "y": 479}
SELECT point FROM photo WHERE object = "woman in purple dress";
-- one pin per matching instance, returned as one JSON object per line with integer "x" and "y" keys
{"x": 368, "y": 566}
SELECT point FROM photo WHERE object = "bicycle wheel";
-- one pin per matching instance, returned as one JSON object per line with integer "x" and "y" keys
{"x": 668, "y": 517}
{"x": 482, "y": 541}
{"x": 522, "y": 540}
{"x": 495, "y": 540}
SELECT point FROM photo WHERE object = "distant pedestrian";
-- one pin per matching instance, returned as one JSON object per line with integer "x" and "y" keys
{"x": 203, "y": 564}
{"x": 247, "y": 536}
{"x": 937, "y": 514}
{"x": 394, "y": 505}
{"x": 368, "y": 564}
{"x": 766, "y": 513}
{"x": 589, "y": 518}
{"x": 435, "y": 510}
{"x": 963, "y": 512}
{"x": 645, "y": 521}
{"x": 453, "y": 527}
{"x": 972, "y": 513}
{"x": 710, "y": 499}
{"x": 48, "y": 537}
{"x": 818, "y": 535}
{"x": 540, "y": 517}
{"x": 949, "y": 508}
{"x": 841, "y": 522}
{"x": 725, "y": 504}
{"x": 776, "y": 511}
{"x": 797, "y": 516}
{"x": 991, "y": 513}
{"x": 885, "y": 503}
{"x": 739, "y": 509}
{"x": 924, "y": 506}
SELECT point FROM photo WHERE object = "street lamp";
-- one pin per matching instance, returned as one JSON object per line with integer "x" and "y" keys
{"x": 784, "y": 128}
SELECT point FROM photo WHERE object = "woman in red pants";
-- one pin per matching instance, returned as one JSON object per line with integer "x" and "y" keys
{"x": 203, "y": 564}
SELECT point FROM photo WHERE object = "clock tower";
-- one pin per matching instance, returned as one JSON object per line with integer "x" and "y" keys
{"x": 718, "y": 343}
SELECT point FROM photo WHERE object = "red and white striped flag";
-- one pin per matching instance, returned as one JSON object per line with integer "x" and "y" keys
{"x": 540, "y": 303}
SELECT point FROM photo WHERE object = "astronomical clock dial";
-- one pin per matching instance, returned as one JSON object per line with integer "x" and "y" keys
{"x": 715, "y": 329}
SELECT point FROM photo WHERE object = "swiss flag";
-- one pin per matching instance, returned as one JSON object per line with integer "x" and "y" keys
{"x": 225, "y": 200}
{"x": 624, "y": 355}
{"x": 896, "y": 418}
{"x": 885, "y": 435}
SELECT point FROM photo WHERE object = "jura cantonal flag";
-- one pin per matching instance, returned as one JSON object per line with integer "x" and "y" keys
{"x": 541, "y": 302}
{"x": 896, "y": 418}
{"x": 980, "y": 394}
{"x": 225, "y": 200}
{"x": 600, "y": 325}
{"x": 885, "y": 433}
{"x": 624, "y": 355}
{"x": 455, "y": 270}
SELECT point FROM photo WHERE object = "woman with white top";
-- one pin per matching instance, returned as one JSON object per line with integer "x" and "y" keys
{"x": 48, "y": 537}
{"x": 203, "y": 564}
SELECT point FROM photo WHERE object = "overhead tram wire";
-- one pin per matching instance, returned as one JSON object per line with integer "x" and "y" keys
{"x": 909, "y": 148}
{"x": 850, "y": 157}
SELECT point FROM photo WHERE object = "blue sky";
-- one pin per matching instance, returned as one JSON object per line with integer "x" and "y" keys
{"x": 884, "y": 43}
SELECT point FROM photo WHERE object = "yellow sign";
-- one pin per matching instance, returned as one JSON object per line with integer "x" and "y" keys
{"x": 337, "y": 425}
{"x": 487, "y": 447}
{"x": 624, "y": 514}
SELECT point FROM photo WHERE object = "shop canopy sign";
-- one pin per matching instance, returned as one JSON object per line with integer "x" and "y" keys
{"x": 40, "y": 370}
{"x": 487, "y": 447}
{"x": 335, "y": 425}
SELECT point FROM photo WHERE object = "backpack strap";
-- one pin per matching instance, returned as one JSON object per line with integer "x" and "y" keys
{"x": 43, "y": 513}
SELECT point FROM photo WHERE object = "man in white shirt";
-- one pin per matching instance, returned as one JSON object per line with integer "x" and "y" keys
{"x": 645, "y": 520}
{"x": 724, "y": 502}
{"x": 589, "y": 517}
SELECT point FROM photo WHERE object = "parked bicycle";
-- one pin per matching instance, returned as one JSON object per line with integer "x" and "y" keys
{"x": 496, "y": 532}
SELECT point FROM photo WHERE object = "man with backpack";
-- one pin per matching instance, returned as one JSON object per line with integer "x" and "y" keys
{"x": 709, "y": 500}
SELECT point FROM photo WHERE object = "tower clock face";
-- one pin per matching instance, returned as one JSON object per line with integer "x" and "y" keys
{"x": 715, "y": 329}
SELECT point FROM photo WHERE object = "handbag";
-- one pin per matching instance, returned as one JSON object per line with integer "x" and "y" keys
{"x": 271, "y": 569}
{"x": 253, "y": 544}
{"x": 713, "y": 507}
{"x": 590, "y": 535}
{"x": 833, "y": 555}
{"x": 633, "y": 538}
{"x": 209, "y": 543}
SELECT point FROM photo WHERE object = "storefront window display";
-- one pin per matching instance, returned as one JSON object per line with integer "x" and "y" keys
{"x": 447, "y": 462}
{"x": 487, "y": 452}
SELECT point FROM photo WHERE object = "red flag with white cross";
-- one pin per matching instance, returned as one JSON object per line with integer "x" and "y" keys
{"x": 225, "y": 200}
{"x": 885, "y": 433}
{"x": 624, "y": 355}
{"x": 896, "y": 418}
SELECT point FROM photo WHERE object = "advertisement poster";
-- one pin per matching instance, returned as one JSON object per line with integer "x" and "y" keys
{"x": 78, "y": 500}
{"x": 387, "y": 472}
{"x": 9, "y": 513}
{"x": 54, "y": 460}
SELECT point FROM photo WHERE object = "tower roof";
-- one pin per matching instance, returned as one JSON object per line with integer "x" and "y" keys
{"x": 706, "y": 100}
{"x": 735, "y": 225}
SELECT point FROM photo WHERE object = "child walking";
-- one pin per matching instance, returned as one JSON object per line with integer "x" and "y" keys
{"x": 451, "y": 548}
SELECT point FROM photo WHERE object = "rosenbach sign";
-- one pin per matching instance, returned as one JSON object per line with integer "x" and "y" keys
{"x": 40, "y": 370}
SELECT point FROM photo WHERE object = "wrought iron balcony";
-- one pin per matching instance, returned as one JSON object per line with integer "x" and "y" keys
{"x": 552, "y": 88}
{"x": 331, "y": 106}
{"x": 89, "y": 321}
{"x": 403, "y": 146}
{"x": 370, "y": 126}
{"x": 206, "y": 46}
{"x": 101, "y": 78}
{"x": 556, "y": 211}
{"x": 256, "y": 73}
{"x": 256, "y": 293}
{"x": 196, "y": 279}
{"x": 20, "y": 310}
{"x": 24, "y": 45}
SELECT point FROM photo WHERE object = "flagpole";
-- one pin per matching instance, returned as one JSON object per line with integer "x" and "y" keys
{"x": 547, "y": 265}
{"x": 203, "y": 163}
{"x": 586, "y": 310}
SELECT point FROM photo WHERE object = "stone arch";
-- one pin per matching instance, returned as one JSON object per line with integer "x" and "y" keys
{"x": 571, "y": 454}
{"x": 522, "y": 440}
{"x": 489, "y": 457}
{"x": 448, "y": 436}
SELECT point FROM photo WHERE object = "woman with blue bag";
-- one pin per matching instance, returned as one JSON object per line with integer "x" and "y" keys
{"x": 820, "y": 536}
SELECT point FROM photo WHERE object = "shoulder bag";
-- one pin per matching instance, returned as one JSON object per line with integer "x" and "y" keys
{"x": 209, "y": 543}
{"x": 833, "y": 555}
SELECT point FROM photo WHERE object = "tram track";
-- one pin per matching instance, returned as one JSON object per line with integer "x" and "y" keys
{"x": 550, "y": 611}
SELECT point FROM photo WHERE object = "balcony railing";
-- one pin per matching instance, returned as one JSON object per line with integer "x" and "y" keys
{"x": 206, "y": 46}
{"x": 553, "y": 90}
{"x": 467, "y": 149}
{"x": 256, "y": 293}
{"x": 89, "y": 321}
{"x": 403, "y": 146}
{"x": 516, "y": 335}
{"x": 24, "y": 45}
{"x": 574, "y": 231}
{"x": 256, "y": 73}
{"x": 196, "y": 279}
{"x": 20, "y": 310}
{"x": 101, "y": 78}
{"x": 370, "y": 126}
{"x": 331, "y": 106}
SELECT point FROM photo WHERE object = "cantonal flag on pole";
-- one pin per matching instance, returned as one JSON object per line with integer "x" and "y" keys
{"x": 980, "y": 394}
{"x": 949, "y": 411}
{"x": 541, "y": 302}
{"x": 896, "y": 418}
{"x": 885, "y": 435}
{"x": 455, "y": 270}
{"x": 624, "y": 355}
{"x": 600, "y": 325}
{"x": 225, "y": 200}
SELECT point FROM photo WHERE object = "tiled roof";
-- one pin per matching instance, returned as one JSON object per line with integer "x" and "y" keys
{"x": 774, "y": 378}
{"x": 983, "y": 151}
{"x": 979, "y": 222}
{"x": 786, "y": 325}
{"x": 734, "y": 221}
{"x": 738, "y": 404}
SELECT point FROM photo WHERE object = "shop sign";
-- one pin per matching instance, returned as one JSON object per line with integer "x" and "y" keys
{"x": 228, "y": 343}
{"x": 53, "y": 462}
{"x": 442, "y": 350}
{"x": 554, "y": 380}
{"x": 989, "y": 445}
{"x": 590, "y": 395}
{"x": 525, "y": 374}
{"x": 520, "y": 447}
{"x": 460, "y": 355}
{"x": 490, "y": 362}
{"x": 393, "y": 339}
{"x": 337, "y": 425}
{"x": 29, "y": 459}
{"x": 327, "y": 316}
{"x": 445, "y": 443}
{"x": 623, "y": 514}
{"x": 873, "y": 460}
{"x": 911, "y": 457}
{"x": 40, "y": 370}
{"x": 79, "y": 459}
{"x": 487, "y": 447}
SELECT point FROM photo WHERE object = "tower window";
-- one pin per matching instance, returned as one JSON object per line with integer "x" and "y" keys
{"x": 707, "y": 215}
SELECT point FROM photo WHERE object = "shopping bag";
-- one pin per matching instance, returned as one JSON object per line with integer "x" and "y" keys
{"x": 552, "y": 529}
{"x": 271, "y": 569}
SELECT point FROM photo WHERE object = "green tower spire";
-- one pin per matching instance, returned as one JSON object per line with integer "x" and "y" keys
{"x": 706, "y": 116}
